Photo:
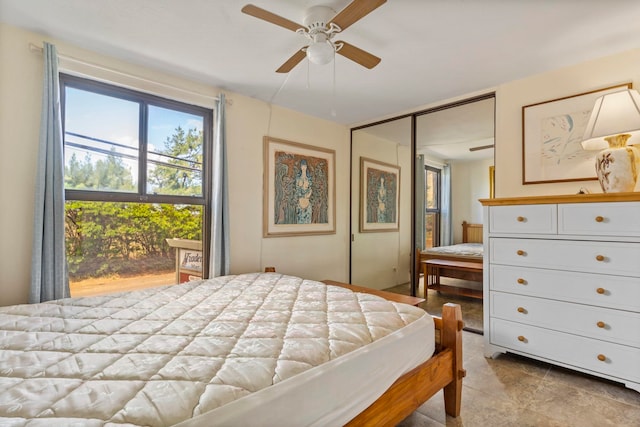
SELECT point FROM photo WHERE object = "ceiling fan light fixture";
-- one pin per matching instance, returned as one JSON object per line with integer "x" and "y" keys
{"x": 321, "y": 53}
{"x": 321, "y": 24}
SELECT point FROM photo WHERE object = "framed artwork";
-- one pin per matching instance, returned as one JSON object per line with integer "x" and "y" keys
{"x": 551, "y": 135}
{"x": 379, "y": 196}
{"x": 299, "y": 189}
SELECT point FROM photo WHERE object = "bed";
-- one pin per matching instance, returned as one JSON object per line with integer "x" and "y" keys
{"x": 251, "y": 349}
{"x": 469, "y": 251}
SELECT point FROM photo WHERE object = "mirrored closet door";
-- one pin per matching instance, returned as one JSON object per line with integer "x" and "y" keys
{"x": 414, "y": 180}
{"x": 381, "y": 171}
{"x": 455, "y": 151}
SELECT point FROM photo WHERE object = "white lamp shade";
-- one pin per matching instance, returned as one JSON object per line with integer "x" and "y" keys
{"x": 613, "y": 114}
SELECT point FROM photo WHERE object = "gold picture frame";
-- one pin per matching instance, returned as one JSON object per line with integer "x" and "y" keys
{"x": 551, "y": 135}
{"x": 492, "y": 182}
{"x": 299, "y": 189}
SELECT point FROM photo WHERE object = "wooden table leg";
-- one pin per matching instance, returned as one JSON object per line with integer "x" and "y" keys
{"x": 425, "y": 274}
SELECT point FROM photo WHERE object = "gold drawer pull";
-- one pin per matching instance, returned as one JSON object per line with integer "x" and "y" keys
{"x": 521, "y": 310}
{"x": 599, "y": 218}
{"x": 521, "y": 338}
{"x": 601, "y": 324}
{"x": 521, "y": 281}
{"x": 521, "y": 219}
{"x": 602, "y": 357}
{"x": 601, "y": 291}
{"x": 520, "y": 252}
{"x": 599, "y": 257}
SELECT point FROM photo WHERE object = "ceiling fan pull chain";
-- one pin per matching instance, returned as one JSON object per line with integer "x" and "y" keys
{"x": 333, "y": 95}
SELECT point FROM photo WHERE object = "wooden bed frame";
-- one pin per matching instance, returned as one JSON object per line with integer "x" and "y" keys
{"x": 442, "y": 371}
{"x": 471, "y": 233}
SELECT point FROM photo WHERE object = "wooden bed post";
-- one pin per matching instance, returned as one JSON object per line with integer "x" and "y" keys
{"x": 451, "y": 337}
{"x": 465, "y": 231}
{"x": 443, "y": 370}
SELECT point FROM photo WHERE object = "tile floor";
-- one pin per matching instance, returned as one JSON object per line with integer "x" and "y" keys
{"x": 511, "y": 390}
{"x": 471, "y": 307}
{"x": 515, "y": 391}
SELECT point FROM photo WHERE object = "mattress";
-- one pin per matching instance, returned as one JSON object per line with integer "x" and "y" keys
{"x": 462, "y": 250}
{"x": 252, "y": 349}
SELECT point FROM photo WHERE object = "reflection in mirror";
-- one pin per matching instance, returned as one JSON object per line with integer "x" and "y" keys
{"x": 454, "y": 153}
{"x": 457, "y": 145}
{"x": 381, "y": 205}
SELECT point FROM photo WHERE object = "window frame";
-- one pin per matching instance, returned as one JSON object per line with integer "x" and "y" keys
{"x": 437, "y": 196}
{"x": 144, "y": 100}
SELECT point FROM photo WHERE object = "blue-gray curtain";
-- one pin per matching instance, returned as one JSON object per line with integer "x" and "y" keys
{"x": 49, "y": 279}
{"x": 446, "y": 235}
{"x": 219, "y": 253}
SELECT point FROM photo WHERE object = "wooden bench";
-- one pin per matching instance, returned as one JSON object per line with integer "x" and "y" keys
{"x": 433, "y": 269}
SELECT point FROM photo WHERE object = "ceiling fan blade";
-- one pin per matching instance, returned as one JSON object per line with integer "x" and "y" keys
{"x": 355, "y": 11}
{"x": 482, "y": 147}
{"x": 292, "y": 62}
{"x": 265, "y": 15}
{"x": 358, "y": 55}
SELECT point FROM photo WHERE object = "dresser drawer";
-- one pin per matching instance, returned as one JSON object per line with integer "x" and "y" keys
{"x": 622, "y": 259}
{"x": 621, "y": 293}
{"x": 619, "y": 361}
{"x": 525, "y": 219}
{"x": 600, "y": 219}
{"x": 616, "y": 326}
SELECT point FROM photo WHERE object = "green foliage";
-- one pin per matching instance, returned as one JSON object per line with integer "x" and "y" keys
{"x": 104, "y": 174}
{"x": 107, "y": 238}
{"x": 183, "y": 174}
{"x": 104, "y": 238}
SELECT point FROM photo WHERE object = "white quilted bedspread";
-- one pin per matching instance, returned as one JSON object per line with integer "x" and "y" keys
{"x": 472, "y": 250}
{"x": 164, "y": 355}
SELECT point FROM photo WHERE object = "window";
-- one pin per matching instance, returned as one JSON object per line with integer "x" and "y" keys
{"x": 432, "y": 211}
{"x": 136, "y": 174}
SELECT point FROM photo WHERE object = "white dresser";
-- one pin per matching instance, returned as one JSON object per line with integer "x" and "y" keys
{"x": 562, "y": 279}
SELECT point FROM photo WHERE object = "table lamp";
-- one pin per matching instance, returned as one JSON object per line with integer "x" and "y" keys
{"x": 615, "y": 119}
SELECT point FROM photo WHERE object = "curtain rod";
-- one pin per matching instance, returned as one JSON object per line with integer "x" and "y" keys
{"x": 38, "y": 49}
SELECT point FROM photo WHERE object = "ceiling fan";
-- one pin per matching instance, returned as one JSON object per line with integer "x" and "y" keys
{"x": 321, "y": 24}
{"x": 482, "y": 147}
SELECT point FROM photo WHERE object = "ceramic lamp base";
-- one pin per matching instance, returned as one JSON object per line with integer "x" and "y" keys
{"x": 617, "y": 168}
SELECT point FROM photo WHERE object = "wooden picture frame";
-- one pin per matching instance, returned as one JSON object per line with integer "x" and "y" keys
{"x": 492, "y": 182}
{"x": 379, "y": 196}
{"x": 551, "y": 135}
{"x": 299, "y": 189}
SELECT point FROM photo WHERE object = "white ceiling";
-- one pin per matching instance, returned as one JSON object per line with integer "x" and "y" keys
{"x": 447, "y": 134}
{"x": 431, "y": 50}
{"x": 453, "y": 132}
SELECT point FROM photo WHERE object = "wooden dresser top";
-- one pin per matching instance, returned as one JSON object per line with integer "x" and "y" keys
{"x": 569, "y": 198}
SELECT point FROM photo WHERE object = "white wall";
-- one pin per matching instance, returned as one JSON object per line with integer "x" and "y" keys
{"x": 314, "y": 257}
{"x": 469, "y": 184}
{"x": 511, "y": 97}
